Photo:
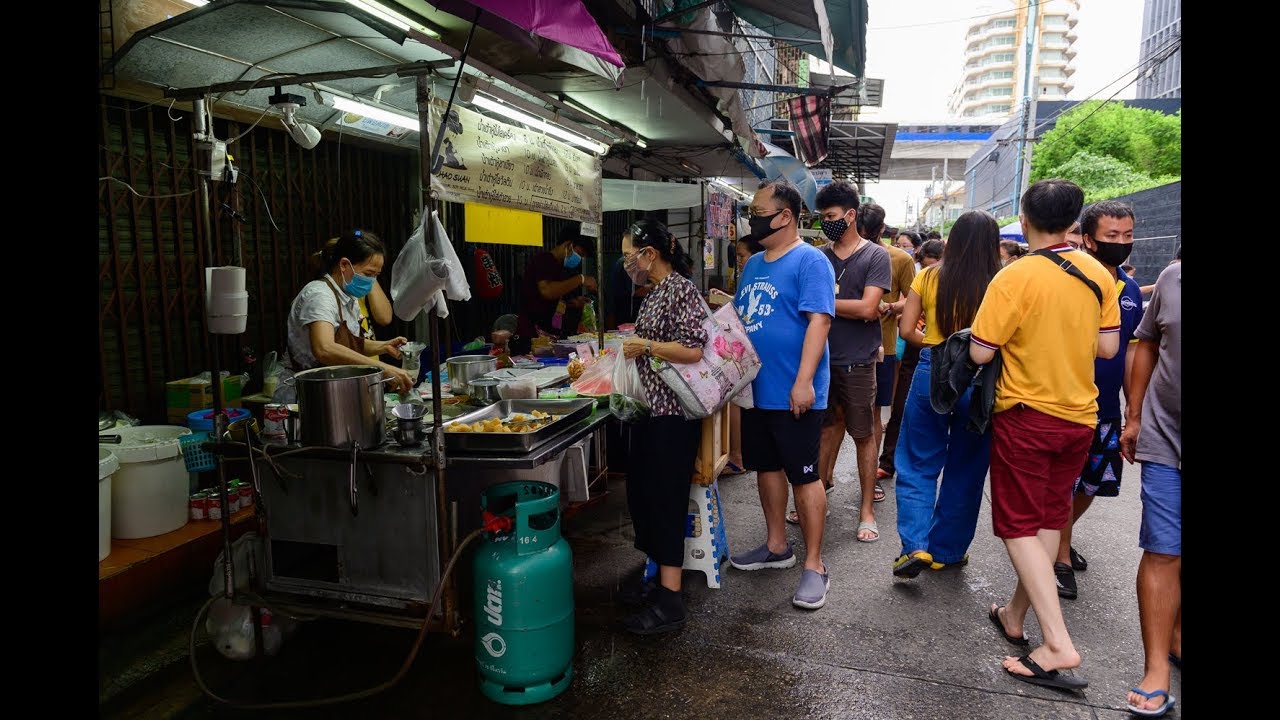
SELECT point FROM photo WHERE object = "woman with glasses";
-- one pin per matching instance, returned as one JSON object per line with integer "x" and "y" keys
{"x": 664, "y": 444}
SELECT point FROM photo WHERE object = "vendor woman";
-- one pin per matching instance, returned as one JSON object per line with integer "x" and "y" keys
{"x": 664, "y": 444}
{"x": 324, "y": 320}
{"x": 552, "y": 278}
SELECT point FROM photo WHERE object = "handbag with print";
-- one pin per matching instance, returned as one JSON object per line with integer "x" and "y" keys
{"x": 729, "y": 363}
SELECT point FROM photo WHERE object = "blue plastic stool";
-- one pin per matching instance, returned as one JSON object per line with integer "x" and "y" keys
{"x": 706, "y": 544}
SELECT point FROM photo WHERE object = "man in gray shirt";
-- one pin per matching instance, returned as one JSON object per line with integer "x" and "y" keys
{"x": 1153, "y": 436}
{"x": 863, "y": 276}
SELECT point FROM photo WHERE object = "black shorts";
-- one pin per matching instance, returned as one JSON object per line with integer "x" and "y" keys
{"x": 886, "y": 373}
{"x": 774, "y": 440}
{"x": 1102, "y": 467}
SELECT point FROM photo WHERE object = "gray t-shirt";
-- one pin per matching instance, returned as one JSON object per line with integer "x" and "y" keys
{"x": 853, "y": 342}
{"x": 316, "y": 302}
{"x": 1160, "y": 440}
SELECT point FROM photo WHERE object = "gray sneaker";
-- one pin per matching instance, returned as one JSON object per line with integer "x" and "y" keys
{"x": 762, "y": 557}
{"x": 812, "y": 593}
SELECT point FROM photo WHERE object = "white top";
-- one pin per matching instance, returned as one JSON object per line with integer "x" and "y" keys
{"x": 315, "y": 303}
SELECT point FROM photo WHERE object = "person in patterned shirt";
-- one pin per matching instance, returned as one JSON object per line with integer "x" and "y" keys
{"x": 664, "y": 444}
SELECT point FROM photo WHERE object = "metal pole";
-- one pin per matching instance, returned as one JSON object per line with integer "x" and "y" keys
{"x": 204, "y": 137}
{"x": 944, "y": 197}
{"x": 1033, "y": 22}
{"x": 462, "y": 63}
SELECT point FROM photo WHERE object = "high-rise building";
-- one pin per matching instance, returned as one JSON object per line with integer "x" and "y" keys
{"x": 1161, "y": 31}
{"x": 995, "y": 53}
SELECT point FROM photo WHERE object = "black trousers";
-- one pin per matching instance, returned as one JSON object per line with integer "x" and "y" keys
{"x": 906, "y": 370}
{"x": 663, "y": 450}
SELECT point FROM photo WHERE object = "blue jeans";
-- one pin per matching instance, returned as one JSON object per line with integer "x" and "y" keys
{"x": 940, "y": 521}
{"x": 1161, "y": 509}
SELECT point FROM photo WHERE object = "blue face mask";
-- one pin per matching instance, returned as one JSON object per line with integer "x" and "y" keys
{"x": 359, "y": 286}
{"x": 572, "y": 260}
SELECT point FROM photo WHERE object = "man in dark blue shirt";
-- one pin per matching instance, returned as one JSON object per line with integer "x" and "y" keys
{"x": 1106, "y": 231}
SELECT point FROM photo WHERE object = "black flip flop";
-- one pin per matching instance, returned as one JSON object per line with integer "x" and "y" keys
{"x": 1051, "y": 678}
{"x": 994, "y": 615}
{"x": 653, "y": 621}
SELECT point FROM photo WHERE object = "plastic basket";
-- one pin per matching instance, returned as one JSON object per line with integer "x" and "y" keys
{"x": 195, "y": 456}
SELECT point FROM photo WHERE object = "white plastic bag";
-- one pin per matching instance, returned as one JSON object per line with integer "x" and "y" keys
{"x": 628, "y": 401}
{"x": 425, "y": 273}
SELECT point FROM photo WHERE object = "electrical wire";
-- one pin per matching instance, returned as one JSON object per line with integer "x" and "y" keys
{"x": 319, "y": 702}
{"x": 147, "y": 197}
{"x": 265, "y": 204}
{"x": 948, "y": 22}
{"x": 251, "y": 127}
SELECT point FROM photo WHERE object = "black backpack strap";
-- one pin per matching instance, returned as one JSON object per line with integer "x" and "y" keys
{"x": 1071, "y": 269}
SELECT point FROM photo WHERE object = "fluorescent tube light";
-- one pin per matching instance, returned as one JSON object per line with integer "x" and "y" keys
{"x": 197, "y": 3}
{"x": 641, "y": 143}
{"x": 391, "y": 16}
{"x": 376, "y": 113}
{"x": 506, "y": 110}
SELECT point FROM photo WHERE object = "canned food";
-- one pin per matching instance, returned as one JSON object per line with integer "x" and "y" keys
{"x": 199, "y": 505}
{"x": 274, "y": 415}
{"x": 246, "y": 495}
{"x": 233, "y": 499}
{"x": 215, "y": 507}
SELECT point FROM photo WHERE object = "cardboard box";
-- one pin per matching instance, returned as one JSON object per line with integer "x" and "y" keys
{"x": 183, "y": 397}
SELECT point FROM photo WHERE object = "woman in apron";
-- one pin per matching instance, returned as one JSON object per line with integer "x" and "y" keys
{"x": 324, "y": 320}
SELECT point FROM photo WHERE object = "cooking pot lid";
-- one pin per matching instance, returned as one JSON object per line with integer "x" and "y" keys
{"x": 338, "y": 372}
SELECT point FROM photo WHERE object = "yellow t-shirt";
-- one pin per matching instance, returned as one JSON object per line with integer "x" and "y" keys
{"x": 1045, "y": 324}
{"x": 902, "y": 271}
{"x": 926, "y": 286}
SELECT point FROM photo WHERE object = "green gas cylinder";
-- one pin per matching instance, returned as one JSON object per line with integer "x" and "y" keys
{"x": 523, "y": 595}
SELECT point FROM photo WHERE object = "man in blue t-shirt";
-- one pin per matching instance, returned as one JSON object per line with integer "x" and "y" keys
{"x": 1106, "y": 231}
{"x": 786, "y": 303}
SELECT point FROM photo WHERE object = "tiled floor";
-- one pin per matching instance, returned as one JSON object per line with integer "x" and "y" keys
{"x": 128, "y": 553}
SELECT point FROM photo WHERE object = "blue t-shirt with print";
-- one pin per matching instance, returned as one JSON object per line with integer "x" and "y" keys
{"x": 1108, "y": 373}
{"x": 774, "y": 299}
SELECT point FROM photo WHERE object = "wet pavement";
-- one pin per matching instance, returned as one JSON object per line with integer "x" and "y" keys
{"x": 881, "y": 648}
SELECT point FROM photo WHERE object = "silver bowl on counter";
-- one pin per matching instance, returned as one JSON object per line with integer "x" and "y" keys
{"x": 463, "y": 369}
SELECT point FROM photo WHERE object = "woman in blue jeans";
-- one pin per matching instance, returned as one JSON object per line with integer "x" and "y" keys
{"x": 937, "y": 523}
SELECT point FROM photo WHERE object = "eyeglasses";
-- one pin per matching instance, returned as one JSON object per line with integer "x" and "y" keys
{"x": 765, "y": 213}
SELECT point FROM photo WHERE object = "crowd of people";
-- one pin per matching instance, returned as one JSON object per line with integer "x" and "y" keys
{"x": 992, "y": 361}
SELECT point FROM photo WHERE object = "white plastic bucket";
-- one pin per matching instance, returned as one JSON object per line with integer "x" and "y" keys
{"x": 149, "y": 492}
{"x": 107, "y": 466}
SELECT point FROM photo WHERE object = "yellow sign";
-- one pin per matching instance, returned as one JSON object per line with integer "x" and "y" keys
{"x": 488, "y": 161}
{"x": 492, "y": 224}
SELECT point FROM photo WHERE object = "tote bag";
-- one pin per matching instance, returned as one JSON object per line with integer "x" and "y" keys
{"x": 729, "y": 363}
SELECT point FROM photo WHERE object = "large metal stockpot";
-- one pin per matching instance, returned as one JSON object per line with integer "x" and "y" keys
{"x": 341, "y": 405}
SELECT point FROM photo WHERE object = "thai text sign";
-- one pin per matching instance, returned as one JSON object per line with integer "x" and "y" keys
{"x": 488, "y": 161}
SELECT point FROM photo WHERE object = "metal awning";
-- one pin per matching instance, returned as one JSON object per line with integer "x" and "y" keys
{"x": 843, "y": 22}
{"x": 858, "y": 150}
{"x": 271, "y": 40}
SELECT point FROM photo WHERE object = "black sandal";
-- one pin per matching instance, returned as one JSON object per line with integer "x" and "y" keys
{"x": 1048, "y": 678}
{"x": 994, "y": 615}
{"x": 653, "y": 620}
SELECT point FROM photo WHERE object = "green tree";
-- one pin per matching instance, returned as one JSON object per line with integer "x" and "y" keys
{"x": 1097, "y": 171}
{"x": 1148, "y": 142}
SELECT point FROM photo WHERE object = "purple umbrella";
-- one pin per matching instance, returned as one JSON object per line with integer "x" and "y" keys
{"x": 560, "y": 29}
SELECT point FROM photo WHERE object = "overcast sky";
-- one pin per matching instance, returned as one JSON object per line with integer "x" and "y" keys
{"x": 917, "y": 48}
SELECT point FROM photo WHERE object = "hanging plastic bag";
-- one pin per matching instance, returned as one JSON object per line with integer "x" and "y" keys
{"x": 628, "y": 401}
{"x": 597, "y": 379}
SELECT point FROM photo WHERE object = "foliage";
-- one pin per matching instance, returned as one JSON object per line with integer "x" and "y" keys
{"x": 1147, "y": 141}
{"x": 1106, "y": 193}
{"x": 1091, "y": 171}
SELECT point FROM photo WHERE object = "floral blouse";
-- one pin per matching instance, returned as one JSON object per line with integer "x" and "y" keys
{"x": 672, "y": 312}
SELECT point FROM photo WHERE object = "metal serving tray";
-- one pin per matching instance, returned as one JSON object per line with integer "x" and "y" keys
{"x": 571, "y": 411}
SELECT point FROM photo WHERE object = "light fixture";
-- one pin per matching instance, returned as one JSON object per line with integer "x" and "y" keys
{"x": 376, "y": 113}
{"x": 690, "y": 167}
{"x": 197, "y": 3}
{"x": 391, "y": 16}
{"x": 641, "y": 143}
{"x": 506, "y": 110}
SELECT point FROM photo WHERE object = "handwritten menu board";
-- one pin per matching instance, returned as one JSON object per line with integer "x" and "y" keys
{"x": 488, "y": 161}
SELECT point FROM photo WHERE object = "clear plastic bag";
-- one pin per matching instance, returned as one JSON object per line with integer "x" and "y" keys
{"x": 597, "y": 379}
{"x": 628, "y": 401}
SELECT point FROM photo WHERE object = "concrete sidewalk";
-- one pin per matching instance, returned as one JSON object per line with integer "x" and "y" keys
{"x": 881, "y": 648}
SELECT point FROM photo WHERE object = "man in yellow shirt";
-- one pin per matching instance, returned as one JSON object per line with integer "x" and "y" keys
{"x": 1048, "y": 326}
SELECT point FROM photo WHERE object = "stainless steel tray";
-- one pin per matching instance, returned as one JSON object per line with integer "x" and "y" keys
{"x": 571, "y": 411}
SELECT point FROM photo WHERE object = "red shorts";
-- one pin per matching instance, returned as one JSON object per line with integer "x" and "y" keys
{"x": 1035, "y": 459}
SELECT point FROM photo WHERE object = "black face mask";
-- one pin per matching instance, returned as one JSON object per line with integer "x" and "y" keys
{"x": 1112, "y": 254}
{"x": 760, "y": 225}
